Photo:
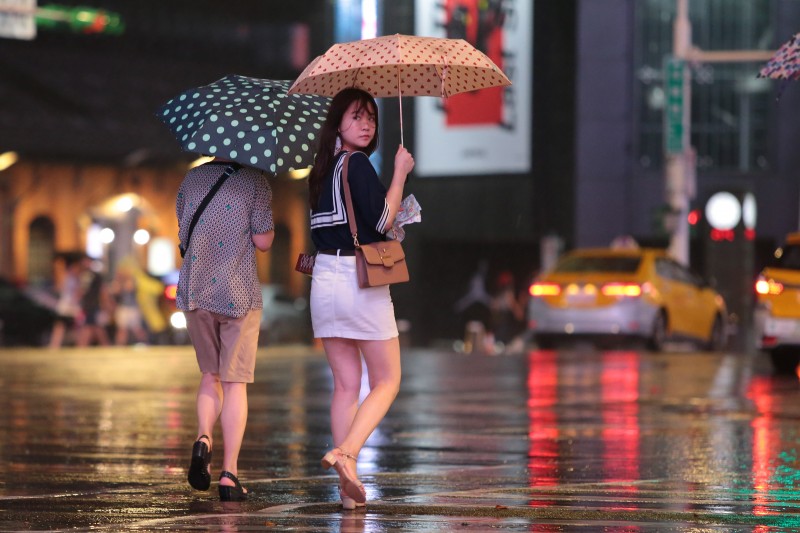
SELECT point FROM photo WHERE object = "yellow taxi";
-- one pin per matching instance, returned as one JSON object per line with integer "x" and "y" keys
{"x": 777, "y": 314}
{"x": 625, "y": 293}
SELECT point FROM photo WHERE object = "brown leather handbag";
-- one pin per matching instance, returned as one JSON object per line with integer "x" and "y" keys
{"x": 377, "y": 263}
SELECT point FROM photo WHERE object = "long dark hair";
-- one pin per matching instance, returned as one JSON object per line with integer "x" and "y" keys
{"x": 327, "y": 138}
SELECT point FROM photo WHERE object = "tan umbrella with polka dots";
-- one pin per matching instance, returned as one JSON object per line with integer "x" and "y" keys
{"x": 400, "y": 65}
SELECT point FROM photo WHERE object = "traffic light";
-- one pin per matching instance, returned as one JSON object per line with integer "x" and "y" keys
{"x": 693, "y": 218}
{"x": 86, "y": 20}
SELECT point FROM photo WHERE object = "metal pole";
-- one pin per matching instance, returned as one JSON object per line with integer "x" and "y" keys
{"x": 682, "y": 31}
{"x": 680, "y": 171}
{"x": 677, "y": 173}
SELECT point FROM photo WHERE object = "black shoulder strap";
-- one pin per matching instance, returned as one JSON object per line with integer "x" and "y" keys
{"x": 230, "y": 169}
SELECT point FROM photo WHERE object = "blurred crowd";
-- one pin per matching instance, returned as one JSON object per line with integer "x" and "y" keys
{"x": 95, "y": 308}
{"x": 493, "y": 312}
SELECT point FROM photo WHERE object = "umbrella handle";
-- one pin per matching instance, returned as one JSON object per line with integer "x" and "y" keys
{"x": 400, "y": 98}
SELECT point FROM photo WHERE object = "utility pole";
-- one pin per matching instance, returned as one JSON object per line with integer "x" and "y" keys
{"x": 680, "y": 156}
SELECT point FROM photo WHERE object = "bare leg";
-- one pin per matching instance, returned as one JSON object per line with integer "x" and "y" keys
{"x": 209, "y": 405}
{"x": 233, "y": 419}
{"x": 57, "y": 336}
{"x": 121, "y": 337}
{"x": 102, "y": 336}
{"x": 140, "y": 334}
{"x": 84, "y": 336}
{"x": 345, "y": 362}
{"x": 383, "y": 365}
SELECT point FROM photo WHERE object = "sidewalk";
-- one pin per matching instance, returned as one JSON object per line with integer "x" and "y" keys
{"x": 99, "y": 440}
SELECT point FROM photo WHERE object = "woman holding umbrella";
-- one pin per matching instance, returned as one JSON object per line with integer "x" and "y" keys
{"x": 352, "y": 321}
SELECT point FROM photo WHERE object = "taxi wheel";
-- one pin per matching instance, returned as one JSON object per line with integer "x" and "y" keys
{"x": 718, "y": 337}
{"x": 784, "y": 360}
{"x": 546, "y": 342}
{"x": 659, "y": 333}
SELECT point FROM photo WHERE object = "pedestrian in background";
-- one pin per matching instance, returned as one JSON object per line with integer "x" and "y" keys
{"x": 147, "y": 293}
{"x": 127, "y": 315}
{"x": 96, "y": 304}
{"x": 507, "y": 312}
{"x": 474, "y": 310}
{"x": 220, "y": 294}
{"x": 352, "y": 321}
{"x": 68, "y": 308}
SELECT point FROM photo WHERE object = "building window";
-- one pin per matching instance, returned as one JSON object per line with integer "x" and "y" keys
{"x": 730, "y": 105}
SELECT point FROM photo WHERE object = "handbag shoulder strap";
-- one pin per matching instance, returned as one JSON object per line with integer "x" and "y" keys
{"x": 230, "y": 169}
{"x": 348, "y": 200}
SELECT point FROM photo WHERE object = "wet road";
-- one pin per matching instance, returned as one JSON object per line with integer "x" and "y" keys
{"x": 575, "y": 440}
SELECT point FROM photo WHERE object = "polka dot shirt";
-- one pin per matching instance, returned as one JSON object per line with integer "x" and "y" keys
{"x": 219, "y": 270}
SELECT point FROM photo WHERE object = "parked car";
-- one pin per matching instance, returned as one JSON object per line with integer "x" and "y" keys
{"x": 776, "y": 318}
{"x": 177, "y": 332}
{"x": 23, "y": 320}
{"x": 284, "y": 318}
{"x": 609, "y": 293}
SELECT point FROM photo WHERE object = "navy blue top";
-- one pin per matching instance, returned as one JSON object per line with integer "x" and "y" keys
{"x": 329, "y": 225}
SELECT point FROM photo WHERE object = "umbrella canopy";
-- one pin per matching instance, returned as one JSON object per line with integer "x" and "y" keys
{"x": 396, "y": 65}
{"x": 248, "y": 120}
{"x": 785, "y": 64}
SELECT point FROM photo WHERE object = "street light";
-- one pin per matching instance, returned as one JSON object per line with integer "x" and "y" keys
{"x": 107, "y": 235}
{"x": 141, "y": 237}
{"x": 7, "y": 159}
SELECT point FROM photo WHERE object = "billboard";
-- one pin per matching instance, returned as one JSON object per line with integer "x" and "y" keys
{"x": 487, "y": 131}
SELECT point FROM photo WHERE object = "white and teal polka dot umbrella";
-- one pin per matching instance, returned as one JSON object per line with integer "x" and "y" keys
{"x": 248, "y": 120}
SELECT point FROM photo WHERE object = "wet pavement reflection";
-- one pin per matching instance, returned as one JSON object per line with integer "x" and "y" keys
{"x": 576, "y": 440}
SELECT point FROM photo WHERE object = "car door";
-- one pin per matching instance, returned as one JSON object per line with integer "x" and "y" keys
{"x": 675, "y": 293}
{"x": 703, "y": 304}
{"x": 697, "y": 305}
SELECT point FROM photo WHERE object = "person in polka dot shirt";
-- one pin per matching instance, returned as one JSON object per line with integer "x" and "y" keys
{"x": 220, "y": 294}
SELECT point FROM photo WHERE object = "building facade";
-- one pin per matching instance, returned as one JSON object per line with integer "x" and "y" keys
{"x": 79, "y": 109}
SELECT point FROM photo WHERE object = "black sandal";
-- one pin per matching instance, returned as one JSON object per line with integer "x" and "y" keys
{"x": 231, "y": 494}
{"x": 199, "y": 477}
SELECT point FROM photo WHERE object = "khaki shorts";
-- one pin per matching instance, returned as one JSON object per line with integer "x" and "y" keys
{"x": 225, "y": 345}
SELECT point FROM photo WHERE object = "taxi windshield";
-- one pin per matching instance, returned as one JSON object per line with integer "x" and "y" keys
{"x": 599, "y": 264}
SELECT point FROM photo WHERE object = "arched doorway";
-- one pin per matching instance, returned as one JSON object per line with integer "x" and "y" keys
{"x": 127, "y": 227}
{"x": 41, "y": 251}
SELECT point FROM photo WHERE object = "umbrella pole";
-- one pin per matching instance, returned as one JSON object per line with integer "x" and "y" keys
{"x": 400, "y": 98}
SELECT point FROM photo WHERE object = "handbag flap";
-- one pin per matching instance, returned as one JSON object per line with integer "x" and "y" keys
{"x": 384, "y": 253}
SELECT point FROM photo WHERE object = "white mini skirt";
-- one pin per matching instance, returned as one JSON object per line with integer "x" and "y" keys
{"x": 339, "y": 308}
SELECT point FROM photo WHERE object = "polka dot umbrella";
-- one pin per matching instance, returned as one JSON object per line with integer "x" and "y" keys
{"x": 398, "y": 65}
{"x": 785, "y": 64}
{"x": 248, "y": 120}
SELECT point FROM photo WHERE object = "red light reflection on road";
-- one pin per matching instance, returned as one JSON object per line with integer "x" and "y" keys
{"x": 542, "y": 421}
{"x": 619, "y": 380}
{"x": 766, "y": 444}
{"x": 616, "y": 388}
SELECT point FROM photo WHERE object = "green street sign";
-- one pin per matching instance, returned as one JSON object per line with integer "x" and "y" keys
{"x": 79, "y": 19}
{"x": 674, "y": 80}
